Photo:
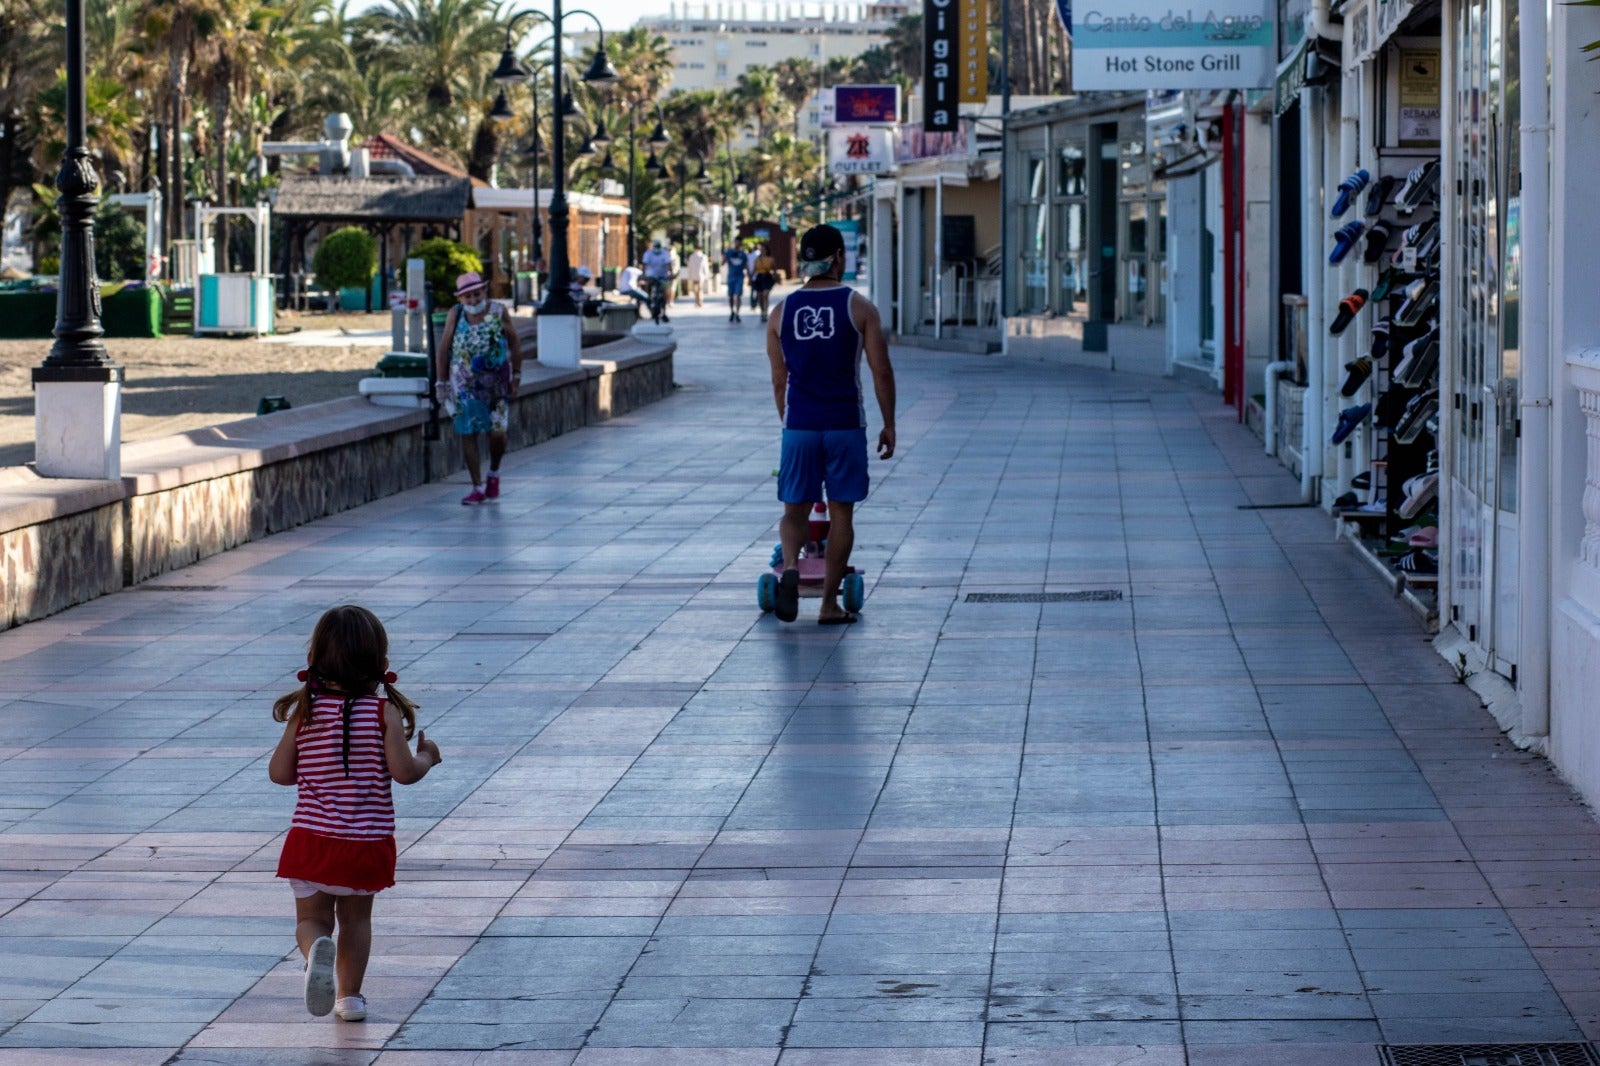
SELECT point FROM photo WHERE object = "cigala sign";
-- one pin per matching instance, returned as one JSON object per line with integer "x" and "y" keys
{"x": 1138, "y": 45}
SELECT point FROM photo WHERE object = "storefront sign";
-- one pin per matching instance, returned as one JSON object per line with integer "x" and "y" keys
{"x": 917, "y": 143}
{"x": 941, "y": 41}
{"x": 866, "y": 105}
{"x": 1419, "y": 98}
{"x": 973, "y": 81}
{"x": 860, "y": 150}
{"x": 1135, "y": 45}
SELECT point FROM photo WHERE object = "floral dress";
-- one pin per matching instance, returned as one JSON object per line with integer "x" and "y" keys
{"x": 480, "y": 374}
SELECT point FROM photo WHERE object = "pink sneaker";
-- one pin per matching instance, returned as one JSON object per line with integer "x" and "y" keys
{"x": 491, "y": 487}
{"x": 476, "y": 496}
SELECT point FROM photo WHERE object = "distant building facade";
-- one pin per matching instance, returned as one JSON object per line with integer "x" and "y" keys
{"x": 713, "y": 43}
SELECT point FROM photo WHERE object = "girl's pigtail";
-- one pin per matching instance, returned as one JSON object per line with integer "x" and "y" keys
{"x": 296, "y": 703}
{"x": 408, "y": 710}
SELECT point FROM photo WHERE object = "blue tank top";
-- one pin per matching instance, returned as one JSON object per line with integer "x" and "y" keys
{"x": 822, "y": 351}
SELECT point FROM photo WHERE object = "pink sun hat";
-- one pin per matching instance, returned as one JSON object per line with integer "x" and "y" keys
{"x": 469, "y": 281}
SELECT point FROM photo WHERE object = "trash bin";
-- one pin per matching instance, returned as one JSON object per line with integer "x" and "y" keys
{"x": 403, "y": 365}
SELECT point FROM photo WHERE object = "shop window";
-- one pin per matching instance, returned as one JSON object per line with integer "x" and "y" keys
{"x": 1072, "y": 170}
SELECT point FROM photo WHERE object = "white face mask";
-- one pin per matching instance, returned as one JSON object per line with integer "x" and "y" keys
{"x": 476, "y": 309}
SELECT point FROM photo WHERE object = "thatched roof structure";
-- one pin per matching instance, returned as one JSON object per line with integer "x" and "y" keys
{"x": 380, "y": 199}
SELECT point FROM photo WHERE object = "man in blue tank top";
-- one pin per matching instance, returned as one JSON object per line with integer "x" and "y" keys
{"x": 816, "y": 337}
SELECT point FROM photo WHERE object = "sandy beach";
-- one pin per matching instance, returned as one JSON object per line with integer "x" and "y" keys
{"x": 180, "y": 383}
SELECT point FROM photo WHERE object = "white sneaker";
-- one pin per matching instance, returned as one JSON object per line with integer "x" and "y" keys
{"x": 351, "y": 1008}
{"x": 319, "y": 977}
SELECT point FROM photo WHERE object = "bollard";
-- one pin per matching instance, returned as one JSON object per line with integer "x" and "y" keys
{"x": 416, "y": 321}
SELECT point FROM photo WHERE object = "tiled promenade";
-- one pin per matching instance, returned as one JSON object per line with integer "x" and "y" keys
{"x": 1243, "y": 806}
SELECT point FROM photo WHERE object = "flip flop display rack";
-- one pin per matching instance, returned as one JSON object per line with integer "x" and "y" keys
{"x": 1387, "y": 225}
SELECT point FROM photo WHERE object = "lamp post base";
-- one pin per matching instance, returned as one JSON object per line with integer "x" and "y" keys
{"x": 77, "y": 428}
{"x": 560, "y": 339}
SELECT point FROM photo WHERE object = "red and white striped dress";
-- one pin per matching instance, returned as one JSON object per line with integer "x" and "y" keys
{"x": 343, "y": 828}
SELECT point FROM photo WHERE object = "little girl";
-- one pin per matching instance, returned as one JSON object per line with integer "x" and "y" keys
{"x": 342, "y": 745}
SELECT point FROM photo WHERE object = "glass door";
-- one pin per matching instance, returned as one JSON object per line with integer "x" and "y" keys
{"x": 1487, "y": 393}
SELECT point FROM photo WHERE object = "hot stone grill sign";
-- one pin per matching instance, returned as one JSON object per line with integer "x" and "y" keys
{"x": 941, "y": 32}
{"x": 1158, "y": 44}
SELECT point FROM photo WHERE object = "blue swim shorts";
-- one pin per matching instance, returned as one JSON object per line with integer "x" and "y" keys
{"x": 735, "y": 284}
{"x": 814, "y": 458}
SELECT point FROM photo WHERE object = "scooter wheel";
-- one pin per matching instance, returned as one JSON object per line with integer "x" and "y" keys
{"x": 777, "y": 554}
{"x": 767, "y": 592}
{"x": 855, "y": 592}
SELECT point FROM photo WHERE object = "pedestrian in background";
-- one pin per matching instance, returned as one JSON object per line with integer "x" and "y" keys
{"x": 766, "y": 271}
{"x": 478, "y": 368}
{"x": 342, "y": 744}
{"x": 694, "y": 273}
{"x": 738, "y": 263}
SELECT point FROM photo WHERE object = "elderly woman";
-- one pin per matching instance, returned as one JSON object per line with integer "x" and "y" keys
{"x": 479, "y": 366}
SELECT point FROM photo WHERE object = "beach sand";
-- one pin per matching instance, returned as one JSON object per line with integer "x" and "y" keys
{"x": 180, "y": 383}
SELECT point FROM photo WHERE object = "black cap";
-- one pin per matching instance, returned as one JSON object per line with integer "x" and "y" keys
{"x": 819, "y": 245}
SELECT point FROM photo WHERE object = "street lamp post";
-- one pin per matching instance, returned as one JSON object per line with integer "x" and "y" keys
{"x": 77, "y": 389}
{"x": 558, "y": 322}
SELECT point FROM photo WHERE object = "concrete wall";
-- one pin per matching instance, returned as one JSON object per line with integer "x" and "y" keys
{"x": 190, "y": 496}
{"x": 1575, "y": 466}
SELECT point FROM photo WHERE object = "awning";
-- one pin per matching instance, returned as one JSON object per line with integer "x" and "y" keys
{"x": 1313, "y": 61}
{"x": 1291, "y": 77}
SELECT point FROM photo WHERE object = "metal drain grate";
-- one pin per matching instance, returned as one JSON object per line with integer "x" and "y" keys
{"x": 1086, "y": 596}
{"x": 1488, "y": 1055}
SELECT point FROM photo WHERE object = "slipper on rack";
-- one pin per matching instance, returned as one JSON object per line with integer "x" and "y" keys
{"x": 1426, "y": 537}
{"x": 1422, "y": 296}
{"x": 1423, "y": 405}
{"x": 1380, "y": 330}
{"x": 1356, "y": 375}
{"x": 1349, "y": 307}
{"x": 1348, "y": 190}
{"x": 1377, "y": 242}
{"x": 1419, "y": 185}
{"x": 1362, "y": 480}
{"x": 1344, "y": 239}
{"x": 1417, "y": 561}
{"x": 1420, "y": 493}
{"x": 1378, "y": 195}
{"x": 1421, "y": 360}
{"x": 1349, "y": 419}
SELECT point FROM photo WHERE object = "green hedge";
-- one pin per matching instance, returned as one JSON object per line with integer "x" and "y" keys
{"x": 130, "y": 313}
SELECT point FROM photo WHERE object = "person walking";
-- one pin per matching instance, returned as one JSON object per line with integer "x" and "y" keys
{"x": 766, "y": 271}
{"x": 478, "y": 367}
{"x": 657, "y": 262}
{"x": 737, "y": 261}
{"x": 694, "y": 273}
{"x": 342, "y": 745}
{"x": 816, "y": 337}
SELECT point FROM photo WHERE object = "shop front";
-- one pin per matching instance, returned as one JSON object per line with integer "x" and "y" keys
{"x": 1087, "y": 230}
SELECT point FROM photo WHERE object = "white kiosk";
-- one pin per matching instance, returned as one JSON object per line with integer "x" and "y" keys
{"x": 233, "y": 303}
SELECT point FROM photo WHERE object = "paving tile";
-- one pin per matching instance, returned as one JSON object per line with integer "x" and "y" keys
{"x": 672, "y": 830}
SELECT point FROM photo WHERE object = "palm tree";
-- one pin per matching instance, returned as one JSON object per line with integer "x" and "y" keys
{"x": 905, "y": 45}
{"x": 797, "y": 79}
{"x": 29, "y": 32}
{"x": 644, "y": 61}
{"x": 758, "y": 89}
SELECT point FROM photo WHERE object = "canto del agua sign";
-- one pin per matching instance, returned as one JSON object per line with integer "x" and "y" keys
{"x": 1139, "y": 45}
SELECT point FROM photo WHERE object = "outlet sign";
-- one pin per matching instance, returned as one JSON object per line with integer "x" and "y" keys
{"x": 1138, "y": 45}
